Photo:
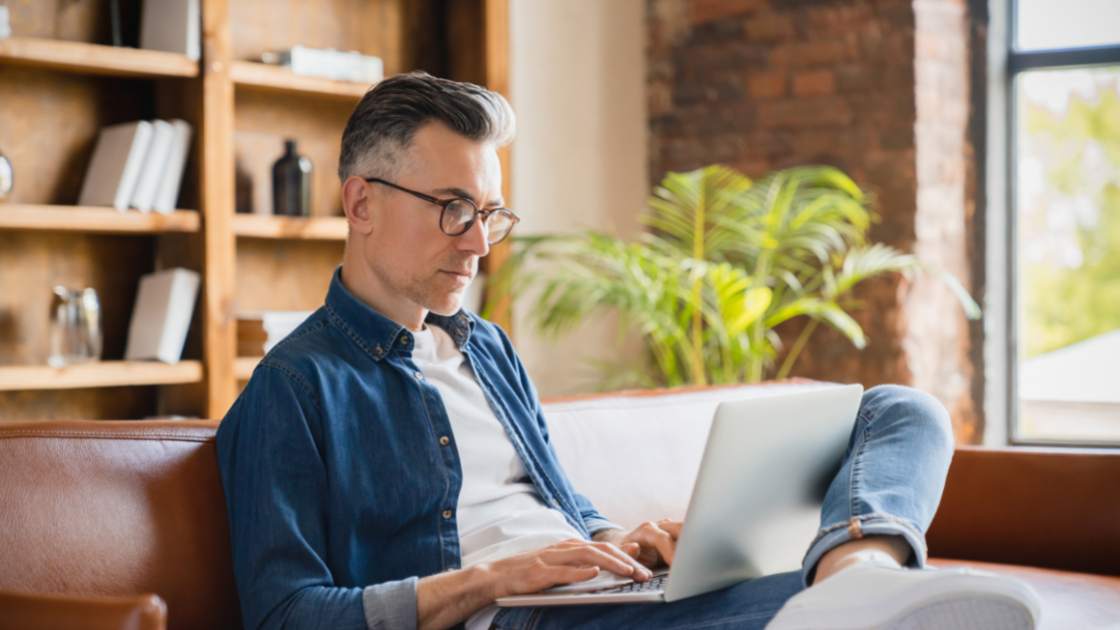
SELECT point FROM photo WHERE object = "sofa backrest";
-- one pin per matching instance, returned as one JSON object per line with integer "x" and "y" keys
{"x": 636, "y": 454}
{"x": 118, "y": 508}
{"x": 1057, "y": 508}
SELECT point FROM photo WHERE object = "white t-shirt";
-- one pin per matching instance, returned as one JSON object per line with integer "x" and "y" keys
{"x": 499, "y": 511}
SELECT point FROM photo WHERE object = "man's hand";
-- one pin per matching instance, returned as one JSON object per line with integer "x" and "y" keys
{"x": 563, "y": 563}
{"x": 651, "y": 544}
{"x": 445, "y": 599}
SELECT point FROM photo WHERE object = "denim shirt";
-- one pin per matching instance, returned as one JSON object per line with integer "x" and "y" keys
{"x": 339, "y": 490}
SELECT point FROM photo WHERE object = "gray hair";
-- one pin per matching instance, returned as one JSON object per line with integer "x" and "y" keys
{"x": 380, "y": 131}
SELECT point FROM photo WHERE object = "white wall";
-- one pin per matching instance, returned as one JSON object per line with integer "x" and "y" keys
{"x": 579, "y": 161}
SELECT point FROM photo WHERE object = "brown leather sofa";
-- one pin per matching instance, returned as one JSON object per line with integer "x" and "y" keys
{"x": 122, "y": 525}
{"x": 93, "y": 510}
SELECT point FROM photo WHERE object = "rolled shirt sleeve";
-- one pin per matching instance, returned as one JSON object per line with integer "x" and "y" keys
{"x": 598, "y": 524}
{"x": 391, "y": 606}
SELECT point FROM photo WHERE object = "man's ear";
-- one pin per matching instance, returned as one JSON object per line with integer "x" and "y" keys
{"x": 356, "y": 204}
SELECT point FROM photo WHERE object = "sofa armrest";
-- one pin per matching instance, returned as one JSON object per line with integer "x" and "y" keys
{"x": 31, "y": 611}
{"x": 1043, "y": 507}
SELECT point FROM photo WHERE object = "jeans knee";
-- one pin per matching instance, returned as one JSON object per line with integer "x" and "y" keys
{"x": 915, "y": 409}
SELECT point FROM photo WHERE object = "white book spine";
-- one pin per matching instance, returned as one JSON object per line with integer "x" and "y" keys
{"x": 280, "y": 324}
{"x": 172, "y": 26}
{"x": 172, "y": 179}
{"x": 106, "y": 174}
{"x": 332, "y": 64}
{"x": 184, "y": 290}
{"x": 144, "y": 196}
{"x": 136, "y": 154}
{"x": 194, "y": 30}
{"x": 162, "y": 315}
{"x": 93, "y": 185}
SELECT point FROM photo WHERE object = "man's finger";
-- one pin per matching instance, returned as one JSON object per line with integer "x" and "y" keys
{"x": 657, "y": 543}
{"x": 592, "y": 555}
{"x": 640, "y": 573}
{"x": 567, "y": 574}
{"x": 540, "y": 578}
{"x": 672, "y": 527}
{"x": 666, "y": 546}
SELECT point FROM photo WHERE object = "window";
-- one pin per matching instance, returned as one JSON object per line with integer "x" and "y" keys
{"x": 1063, "y": 67}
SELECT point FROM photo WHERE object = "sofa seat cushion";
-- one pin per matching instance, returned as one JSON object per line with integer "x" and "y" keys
{"x": 1070, "y": 600}
{"x": 27, "y": 611}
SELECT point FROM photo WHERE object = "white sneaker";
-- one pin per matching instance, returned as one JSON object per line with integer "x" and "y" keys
{"x": 874, "y": 597}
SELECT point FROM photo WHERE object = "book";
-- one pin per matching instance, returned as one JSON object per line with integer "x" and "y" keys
{"x": 251, "y": 336}
{"x": 172, "y": 26}
{"x": 258, "y": 332}
{"x": 329, "y": 64}
{"x": 168, "y": 192}
{"x": 161, "y": 316}
{"x": 5, "y": 23}
{"x": 144, "y": 196}
{"x": 115, "y": 166}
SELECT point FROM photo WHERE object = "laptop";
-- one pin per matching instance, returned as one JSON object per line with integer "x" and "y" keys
{"x": 755, "y": 506}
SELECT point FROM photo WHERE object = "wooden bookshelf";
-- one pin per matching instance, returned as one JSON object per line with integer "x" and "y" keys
{"x": 85, "y": 58}
{"x": 314, "y": 228}
{"x": 243, "y": 367}
{"x": 99, "y": 374}
{"x": 94, "y": 220}
{"x": 252, "y": 75}
{"x": 60, "y": 84}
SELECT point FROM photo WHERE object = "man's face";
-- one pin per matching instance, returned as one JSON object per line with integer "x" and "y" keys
{"x": 413, "y": 260}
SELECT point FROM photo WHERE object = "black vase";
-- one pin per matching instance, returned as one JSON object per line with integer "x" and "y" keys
{"x": 291, "y": 183}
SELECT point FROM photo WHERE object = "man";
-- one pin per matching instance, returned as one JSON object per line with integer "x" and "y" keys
{"x": 388, "y": 465}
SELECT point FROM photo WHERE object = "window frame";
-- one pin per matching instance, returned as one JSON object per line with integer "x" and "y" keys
{"x": 1005, "y": 64}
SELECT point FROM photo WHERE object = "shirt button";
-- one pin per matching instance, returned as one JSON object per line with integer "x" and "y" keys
{"x": 447, "y": 514}
{"x": 444, "y": 441}
{"x": 404, "y": 340}
{"x": 418, "y": 376}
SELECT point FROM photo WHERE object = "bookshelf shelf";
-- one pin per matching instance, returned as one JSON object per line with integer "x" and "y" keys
{"x": 314, "y": 228}
{"x": 249, "y": 74}
{"x": 243, "y": 367}
{"x": 85, "y": 58}
{"x": 99, "y": 374}
{"x": 98, "y": 220}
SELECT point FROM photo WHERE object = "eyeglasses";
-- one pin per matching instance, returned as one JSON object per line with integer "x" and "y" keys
{"x": 458, "y": 215}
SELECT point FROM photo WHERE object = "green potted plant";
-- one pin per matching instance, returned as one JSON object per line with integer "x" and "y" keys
{"x": 726, "y": 261}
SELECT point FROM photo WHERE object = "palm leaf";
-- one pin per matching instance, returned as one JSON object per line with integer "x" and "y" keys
{"x": 726, "y": 261}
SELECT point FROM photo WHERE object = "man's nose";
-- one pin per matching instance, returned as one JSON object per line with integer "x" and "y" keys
{"x": 474, "y": 240}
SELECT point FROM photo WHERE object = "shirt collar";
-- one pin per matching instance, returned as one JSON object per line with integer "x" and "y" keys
{"x": 378, "y": 334}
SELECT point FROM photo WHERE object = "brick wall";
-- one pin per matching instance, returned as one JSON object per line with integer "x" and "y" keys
{"x": 876, "y": 88}
{"x": 936, "y": 338}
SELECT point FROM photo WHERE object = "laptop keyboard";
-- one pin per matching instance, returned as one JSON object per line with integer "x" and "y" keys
{"x": 656, "y": 583}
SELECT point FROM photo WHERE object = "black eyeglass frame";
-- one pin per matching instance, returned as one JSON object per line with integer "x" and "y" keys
{"x": 444, "y": 203}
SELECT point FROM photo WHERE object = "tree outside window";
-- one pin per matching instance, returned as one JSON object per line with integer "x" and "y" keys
{"x": 1065, "y": 68}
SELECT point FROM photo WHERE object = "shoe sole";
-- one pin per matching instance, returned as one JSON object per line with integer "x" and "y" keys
{"x": 959, "y": 601}
{"x": 971, "y": 613}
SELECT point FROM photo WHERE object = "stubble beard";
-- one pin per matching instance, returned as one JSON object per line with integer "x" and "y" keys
{"x": 427, "y": 291}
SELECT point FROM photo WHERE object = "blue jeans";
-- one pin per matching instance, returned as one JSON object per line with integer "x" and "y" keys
{"x": 890, "y": 483}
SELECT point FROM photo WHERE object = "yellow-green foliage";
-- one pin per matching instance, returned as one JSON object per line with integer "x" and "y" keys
{"x": 726, "y": 260}
{"x": 1064, "y": 305}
